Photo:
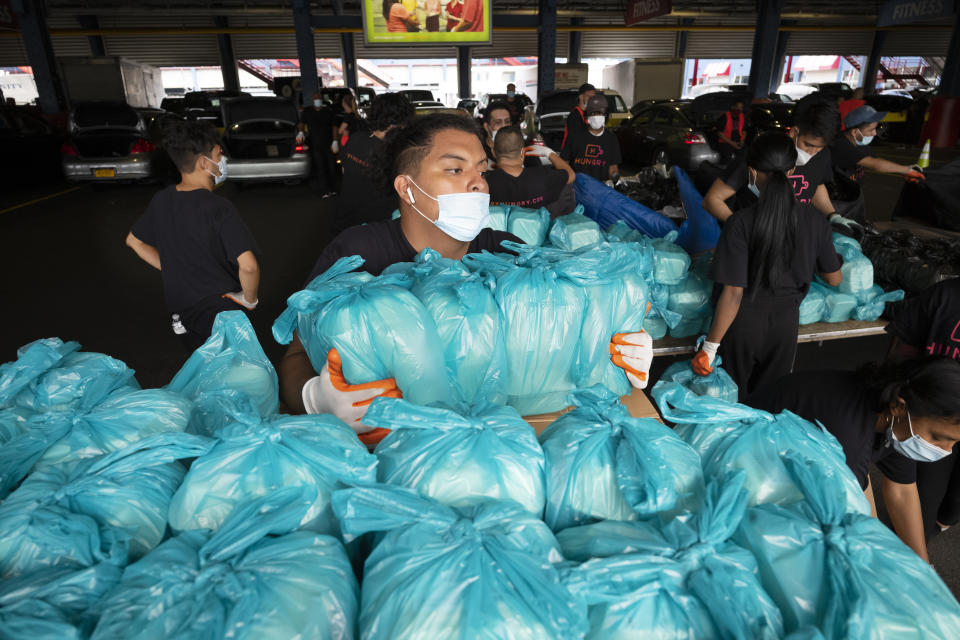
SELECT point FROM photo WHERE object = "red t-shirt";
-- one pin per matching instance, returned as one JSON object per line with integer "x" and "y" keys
{"x": 396, "y": 22}
{"x": 454, "y": 10}
{"x": 473, "y": 13}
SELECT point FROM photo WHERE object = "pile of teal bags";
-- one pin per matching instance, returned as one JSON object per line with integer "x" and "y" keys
{"x": 530, "y": 225}
{"x": 717, "y": 384}
{"x": 856, "y": 298}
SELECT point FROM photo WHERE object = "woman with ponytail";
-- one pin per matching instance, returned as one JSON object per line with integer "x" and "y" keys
{"x": 765, "y": 260}
{"x": 893, "y": 416}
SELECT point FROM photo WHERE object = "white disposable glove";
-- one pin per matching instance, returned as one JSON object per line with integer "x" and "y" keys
{"x": 847, "y": 223}
{"x": 241, "y": 300}
{"x": 540, "y": 151}
{"x": 633, "y": 352}
{"x": 300, "y": 137}
{"x": 334, "y": 146}
{"x": 330, "y": 393}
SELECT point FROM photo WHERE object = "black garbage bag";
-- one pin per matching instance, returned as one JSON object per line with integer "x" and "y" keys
{"x": 902, "y": 260}
{"x": 847, "y": 198}
{"x": 935, "y": 200}
{"x": 651, "y": 189}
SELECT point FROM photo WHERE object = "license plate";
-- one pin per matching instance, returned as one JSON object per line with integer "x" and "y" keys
{"x": 105, "y": 173}
{"x": 272, "y": 150}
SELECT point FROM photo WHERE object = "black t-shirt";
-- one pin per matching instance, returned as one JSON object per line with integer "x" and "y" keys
{"x": 576, "y": 123}
{"x": 931, "y": 321}
{"x": 354, "y": 123}
{"x": 846, "y": 155}
{"x": 361, "y": 198}
{"x": 848, "y": 410}
{"x": 382, "y": 244}
{"x": 199, "y": 236}
{"x": 813, "y": 252}
{"x": 319, "y": 123}
{"x": 805, "y": 179}
{"x": 534, "y": 188}
{"x": 592, "y": 155}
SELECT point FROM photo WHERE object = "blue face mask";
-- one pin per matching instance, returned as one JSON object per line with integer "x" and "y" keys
{"x": 754, "y": 189}
{"x": 221, "y": 167}
{"x": 511, "y": 94}
{"x": 864, "y": 140}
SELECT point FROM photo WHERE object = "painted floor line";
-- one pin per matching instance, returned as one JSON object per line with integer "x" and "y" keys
{"x": 40, "y": 199}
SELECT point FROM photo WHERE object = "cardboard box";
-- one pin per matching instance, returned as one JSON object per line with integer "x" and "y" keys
{"x": 636, "y": 402}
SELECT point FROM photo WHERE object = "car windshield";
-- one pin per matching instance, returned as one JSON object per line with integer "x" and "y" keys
{"x": 415, "y": 95}
{"x": 560, "y": 102}
{"x": 105, "y": 115}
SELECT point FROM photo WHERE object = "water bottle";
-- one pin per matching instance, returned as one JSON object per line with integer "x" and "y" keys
{"x": 178, "y": 327}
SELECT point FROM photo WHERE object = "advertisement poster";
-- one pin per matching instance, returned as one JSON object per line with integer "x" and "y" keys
{"x": 427, "y": 21}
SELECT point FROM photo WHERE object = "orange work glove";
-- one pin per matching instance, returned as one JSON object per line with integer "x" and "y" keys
{"x": 633, "y": 352}
{"x": 703, "y": 362}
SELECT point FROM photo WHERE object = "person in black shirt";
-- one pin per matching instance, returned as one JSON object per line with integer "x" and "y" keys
{"x": 347, "y": 122}
{"x": 196, "y": 239}
{"x": 515, "y": 103}
{"x": 496, "y": 117}
{"x": 929, "y": 324}
{"x": 730, "y": 132}
{"x": 577, "y": 118}
{"x": 316, "y": 124}
{"x": 433, "y": 156}
{"x": 812, "y": 133}
{"x": 851, "y": 151}
{"x": 362, "y": 198}
{"x": 595, "y": 151}
{"x": 530, "y": 187}
{"x": 765, "y": 260}
{"x": 893, "y": 417}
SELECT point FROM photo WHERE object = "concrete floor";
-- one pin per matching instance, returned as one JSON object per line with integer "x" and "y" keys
{"x": 66, "y": 272}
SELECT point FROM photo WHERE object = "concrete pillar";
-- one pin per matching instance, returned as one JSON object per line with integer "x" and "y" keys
{"x": 31, "y": 14}
{"x": 348, "y": 52}
{"x": 779, "y": 57}
{"x": 682, "y": 36}
{"x": 228, "y": 61}
{"x": 306, "y": 50}
{"x": 463, "y": 72}
{"x": 546, "y": 46}
{"x": 869, "y": 78}
{"x": 576, "y": 42}
{"x": 764, "y": 47}
{"x": 96, "y": 42}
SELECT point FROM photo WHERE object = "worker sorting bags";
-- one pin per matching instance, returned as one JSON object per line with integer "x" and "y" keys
{"x": 676, "y": 580}
{"x": 731, "y": 437}
{"x": 379, "y": 328}
{"x": 603, "y": 464}
{"x": 717, "y": 384}
{"x": 485, "y": 572}
{"x": 111, "y": 508}
{"x": 468, "y": 323}
{"x": 254, "y": 579}
{"x": 58, "y": 405}
{"x": 254, "y": 458}
{"x": 229, "y": 364}
{"x": 844, "y": 573}
{"x": 459, "y": 458}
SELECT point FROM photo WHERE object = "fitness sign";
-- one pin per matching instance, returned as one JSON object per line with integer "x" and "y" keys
{"x": 640, "y": 10}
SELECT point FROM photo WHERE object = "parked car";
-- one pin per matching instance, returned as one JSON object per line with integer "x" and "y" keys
{"x": 489, "y": 98}
{"x": 205, "y": 105}
{"x": 173, "y": 104}
{"x": 703, "y": 89}
{"x": 418, "y": 95}
{"x": 551, "y": 111}
{"x": 424, "y": 108}
{"x": 29, "y": 149}
{"x": 902, "y": 93}
{"x": 665, "y": 133}
{"x": 107, "y": 142}
{"x": 704, "y": 112}
{"x": 470, "y": 106}
{"x": 260, "y": 141}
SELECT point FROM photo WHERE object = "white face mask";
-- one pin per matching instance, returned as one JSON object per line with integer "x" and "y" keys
{"x": 596, "y": 122}
{"x": 803, "y": 157}
{"x": 318, "y": 103}
{"x": 752, "y": 185}
{"x": 493, "y": 137}
{"x": 221, "y": 166}
{"x": 462, "y": 216}
{"x": 864, "y": 140}
{"x": 915, "y": 447}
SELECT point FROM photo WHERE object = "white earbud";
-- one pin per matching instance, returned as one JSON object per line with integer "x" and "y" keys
{"x": 410, "y": 194}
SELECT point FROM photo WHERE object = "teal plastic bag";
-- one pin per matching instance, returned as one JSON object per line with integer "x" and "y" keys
{"x": 229, "y": 369}
{"x": 731, "y": 437}
{"x": 857, "y": 270}
{"x": 845, "y": 573}
{"x": 112, "y": 508}
{"x": 604, "y": 464}
{"x": 256, "y": 578}
{"x": 459, "y": 458}
{"x": 679, "y": 580}
{"x": 530, "y": 225}
{"x": 56, "y": 603}
{"x": 655, "y": 326}
{"x": 813, "y": 307}
{"x": 838, "y": 306}
{"x": 499, "y": 214}
{"x": 622, "y": 232}
{"x": 486, "y": 572}
{"x": 252, "y": 459}
{"x": 574, "y": 231}
{"x": 718, "y": 384}
{"x": 469, "y": 325}
{"x": 691, "y": 297}
{"x": 671, "y": 262}
{"x": 380, "y": 329}
{"x": 871, "y": 308}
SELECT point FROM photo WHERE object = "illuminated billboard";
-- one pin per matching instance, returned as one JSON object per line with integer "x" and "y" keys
{"x": 427, "y": 21}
